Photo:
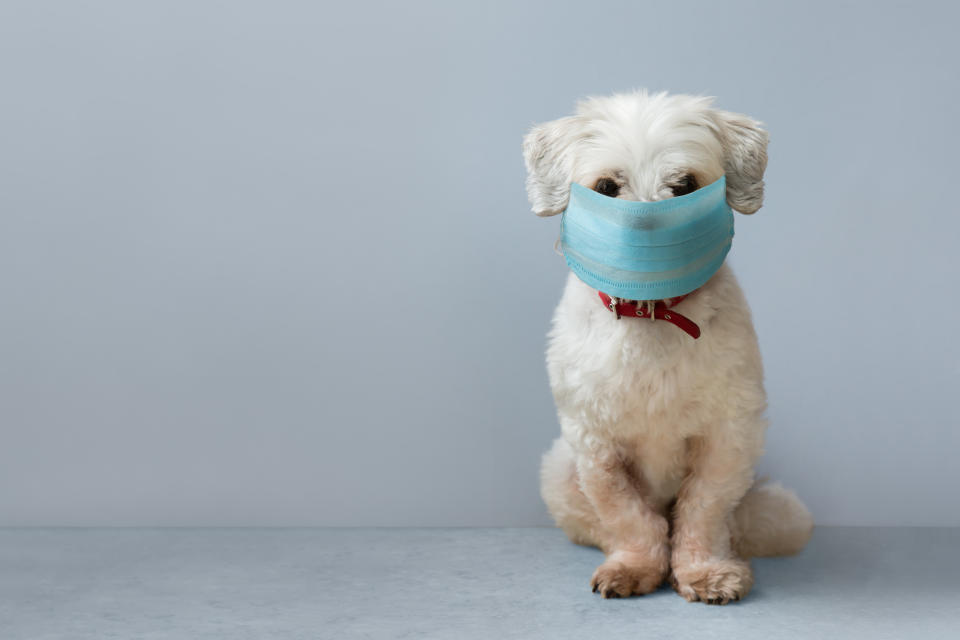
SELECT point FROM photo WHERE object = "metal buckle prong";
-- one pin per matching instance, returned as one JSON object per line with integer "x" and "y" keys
{"x": 613, "y": 306}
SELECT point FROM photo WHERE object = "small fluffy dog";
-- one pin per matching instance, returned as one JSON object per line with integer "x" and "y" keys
{"x": 660, "y": 431}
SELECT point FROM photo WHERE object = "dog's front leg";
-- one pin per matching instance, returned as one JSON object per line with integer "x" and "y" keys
{"x": 633, "y": 535}
{"x": 704, "y": 565}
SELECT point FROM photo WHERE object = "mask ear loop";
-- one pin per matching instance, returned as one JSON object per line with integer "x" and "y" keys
{"x": 556, "y": 245}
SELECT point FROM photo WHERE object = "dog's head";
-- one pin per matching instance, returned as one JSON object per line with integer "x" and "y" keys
{"x": 646, "y": 147}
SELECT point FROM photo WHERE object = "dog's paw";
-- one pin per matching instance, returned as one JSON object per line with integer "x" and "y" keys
{"x": 713, "y": 581}
{"x": 625, "y": 575}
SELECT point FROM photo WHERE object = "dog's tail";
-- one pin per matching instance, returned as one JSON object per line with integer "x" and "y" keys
{"x": 771, "y": 521}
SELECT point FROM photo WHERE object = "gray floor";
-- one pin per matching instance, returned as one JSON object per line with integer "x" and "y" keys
{"x": 449, "y": 583}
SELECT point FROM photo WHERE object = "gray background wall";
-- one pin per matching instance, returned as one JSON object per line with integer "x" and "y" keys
{"x": 272, "y": 263}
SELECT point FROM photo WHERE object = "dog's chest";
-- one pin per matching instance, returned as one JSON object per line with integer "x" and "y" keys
{"x": 659, "y": 413}
{"x": 637, "y": 387}
{"x": 630, "y": 380}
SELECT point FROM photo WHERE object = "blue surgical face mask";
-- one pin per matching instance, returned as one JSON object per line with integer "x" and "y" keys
{"x": 647, "y": 250}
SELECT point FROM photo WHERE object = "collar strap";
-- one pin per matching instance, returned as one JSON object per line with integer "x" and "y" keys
{"x": 661, "y": 311}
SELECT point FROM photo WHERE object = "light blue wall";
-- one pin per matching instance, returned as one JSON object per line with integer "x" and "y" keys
{"x": 272, "y": 263}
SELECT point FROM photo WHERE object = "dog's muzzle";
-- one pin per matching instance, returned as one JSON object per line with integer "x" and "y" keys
{"x": 647, "y": 250}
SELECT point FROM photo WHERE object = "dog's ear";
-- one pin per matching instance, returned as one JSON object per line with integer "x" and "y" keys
{"x": 548, "y": 152}
{"x": 745, "y": 159}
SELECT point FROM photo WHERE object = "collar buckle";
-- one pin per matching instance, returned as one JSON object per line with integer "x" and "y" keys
{"x": 614, "y": 301}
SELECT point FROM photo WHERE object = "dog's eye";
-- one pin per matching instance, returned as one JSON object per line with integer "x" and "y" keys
{"x": 687, "y": 184}
{"x": 607, "y": 187}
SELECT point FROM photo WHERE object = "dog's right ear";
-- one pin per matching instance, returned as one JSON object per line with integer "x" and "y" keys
{"x": 548, "y": 152}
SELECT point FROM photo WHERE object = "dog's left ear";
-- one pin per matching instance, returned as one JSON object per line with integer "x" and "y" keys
{"x": 745, "y": 159}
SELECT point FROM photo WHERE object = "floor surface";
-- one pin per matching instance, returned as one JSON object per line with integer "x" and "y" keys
{"x": 449, "y": 583}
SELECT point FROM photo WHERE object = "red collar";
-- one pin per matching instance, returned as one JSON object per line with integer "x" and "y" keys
{"x": 661, "y": 311}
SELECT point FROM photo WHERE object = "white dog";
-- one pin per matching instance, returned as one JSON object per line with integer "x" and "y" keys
{"x": 660, "y": 431}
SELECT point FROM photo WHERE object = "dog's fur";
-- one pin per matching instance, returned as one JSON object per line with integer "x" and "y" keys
{"x": 660, "y": 431}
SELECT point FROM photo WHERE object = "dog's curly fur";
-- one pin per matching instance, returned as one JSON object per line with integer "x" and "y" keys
{"x": 660, "y": 432}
